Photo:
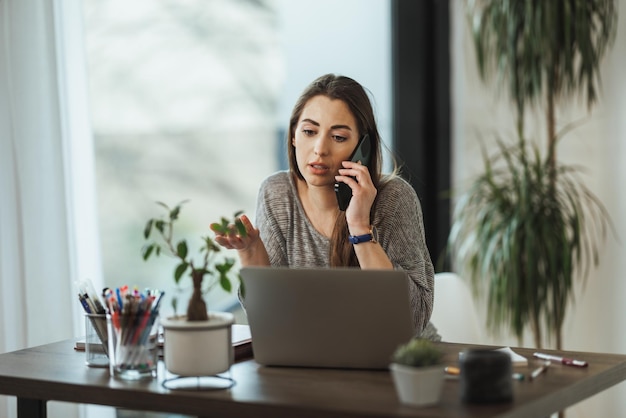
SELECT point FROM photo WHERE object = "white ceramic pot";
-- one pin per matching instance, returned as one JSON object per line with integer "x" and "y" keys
{"x": 418, "y": 386}
{"x": 198, "y": 348}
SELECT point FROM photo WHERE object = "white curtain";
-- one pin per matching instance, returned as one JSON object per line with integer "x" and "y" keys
{"x": 48, "y": 236}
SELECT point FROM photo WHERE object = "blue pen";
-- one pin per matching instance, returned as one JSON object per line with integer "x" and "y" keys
{"x": 120, "y": 303}
{"x": 155, "y": 306}
{"x": 84, "y": 303}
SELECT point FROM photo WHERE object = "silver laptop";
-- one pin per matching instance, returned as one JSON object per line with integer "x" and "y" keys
{"x": 340, "y": 317}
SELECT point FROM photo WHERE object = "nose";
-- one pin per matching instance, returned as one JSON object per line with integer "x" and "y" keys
{"x": 321, "y": 145}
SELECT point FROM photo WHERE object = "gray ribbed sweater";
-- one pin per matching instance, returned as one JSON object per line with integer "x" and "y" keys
{"x": 291, "y": 240}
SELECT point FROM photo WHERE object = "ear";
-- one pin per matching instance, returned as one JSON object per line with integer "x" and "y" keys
{"x": 293, "y": 141}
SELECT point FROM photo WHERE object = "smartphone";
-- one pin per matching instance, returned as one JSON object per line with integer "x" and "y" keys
{"x": 360, "y": 154}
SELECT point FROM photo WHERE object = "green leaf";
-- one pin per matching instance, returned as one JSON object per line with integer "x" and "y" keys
{"x": 180, "y": 270}
{"x": 219, "y": 228}
{"x": 210, "y": 245}
{"x": 225, "y": 283}
{"x": 147, "y": 229}
{"x": 226, "y": 266}
{"x": 174, "y": 213}
{"x": 175, "y": 305}
{"x": 160, "y": 225}
{"x": 167, "y": 208}
{"x": 146, "y": 251}
{"x": 181, "y": 249}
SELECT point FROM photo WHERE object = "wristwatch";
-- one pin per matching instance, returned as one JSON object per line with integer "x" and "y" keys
{"x": 371, "y": 236}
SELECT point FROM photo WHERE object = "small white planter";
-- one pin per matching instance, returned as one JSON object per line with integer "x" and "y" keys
{"x": 418, "y": 386}
{"x": 198, "y": 348}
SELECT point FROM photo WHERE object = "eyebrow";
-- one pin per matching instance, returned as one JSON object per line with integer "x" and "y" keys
{"x": 332, "y": 127}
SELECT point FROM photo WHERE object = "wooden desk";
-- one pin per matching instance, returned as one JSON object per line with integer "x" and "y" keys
{"x": 57, "y": 372}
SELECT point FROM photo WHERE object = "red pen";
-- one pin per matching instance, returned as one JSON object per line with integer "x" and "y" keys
{"x": 562, "y": 360}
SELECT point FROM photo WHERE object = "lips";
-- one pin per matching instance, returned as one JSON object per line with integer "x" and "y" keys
{"x": 318, "y": 167}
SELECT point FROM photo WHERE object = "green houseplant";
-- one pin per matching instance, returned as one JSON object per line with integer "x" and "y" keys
{"x": 219, "y": 271}
{"x": 417, "y": 372}
{"x": 528, "y": 226}
{"x": 199, "y": 343}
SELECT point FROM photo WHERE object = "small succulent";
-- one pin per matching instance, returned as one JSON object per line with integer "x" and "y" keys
{"x": 418, "y": 352}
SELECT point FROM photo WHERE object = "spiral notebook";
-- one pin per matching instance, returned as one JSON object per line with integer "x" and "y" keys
{"x": 340, "y": 317}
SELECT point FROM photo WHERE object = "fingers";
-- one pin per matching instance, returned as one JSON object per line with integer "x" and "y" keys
{"x": 235, "y": 242}
{"x": 231, "y": 238}
{"x": 354, "y": 175}
{"x": 364, "y": 192}
{"x": 356, "y": 170}
{"x": 231, "y": 229}
{"x": 224, "y": 241}
{"x": 246, "y": 222}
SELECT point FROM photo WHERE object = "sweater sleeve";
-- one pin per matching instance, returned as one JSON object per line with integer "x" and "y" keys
{"x": 400, "y": 225}
{"x": 270, "y": 221}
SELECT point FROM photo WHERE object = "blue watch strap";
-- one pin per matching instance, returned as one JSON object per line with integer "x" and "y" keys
{"x": 361, "y": 238}
{"x": 372, "y": 236}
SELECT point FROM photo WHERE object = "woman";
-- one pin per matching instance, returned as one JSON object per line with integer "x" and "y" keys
{"x": 299, "y": 220}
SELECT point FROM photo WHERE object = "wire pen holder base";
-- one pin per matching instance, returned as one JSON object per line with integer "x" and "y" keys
{"x": 199, "y": 383}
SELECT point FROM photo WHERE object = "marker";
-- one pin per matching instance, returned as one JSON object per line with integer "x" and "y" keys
{"x": 455, "y": 371}
{"x": 518, "y": 376}
{"x": 452, "y": 370}
{"x": 562, "y": 360}
{"x": 539, "y": 370}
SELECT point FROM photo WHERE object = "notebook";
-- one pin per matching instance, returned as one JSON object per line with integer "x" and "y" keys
{"x": 338, "y": 318}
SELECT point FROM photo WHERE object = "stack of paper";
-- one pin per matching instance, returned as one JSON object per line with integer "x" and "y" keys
{"x": 517, "y": 359}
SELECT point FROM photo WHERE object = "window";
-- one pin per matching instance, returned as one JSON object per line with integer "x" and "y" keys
{"x": 190, "y": 101}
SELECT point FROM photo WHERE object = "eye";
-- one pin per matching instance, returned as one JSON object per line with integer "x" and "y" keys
{"x": 339, "y": 138}
{"x": 308, "y": 132}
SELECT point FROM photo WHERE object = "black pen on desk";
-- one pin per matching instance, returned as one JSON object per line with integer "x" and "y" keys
{"x": 539, "y": 370}
{"x": 562, "y": 360}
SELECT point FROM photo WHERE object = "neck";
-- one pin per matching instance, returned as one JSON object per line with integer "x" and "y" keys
{"x": 323, "y": 199}
{"x": 320, "y": 206}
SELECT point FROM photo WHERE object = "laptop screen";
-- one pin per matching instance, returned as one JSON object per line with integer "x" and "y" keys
{"x": 337, "y": 317}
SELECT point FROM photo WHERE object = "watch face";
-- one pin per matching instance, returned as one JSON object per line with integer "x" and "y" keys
{"x": 374, "y": 234}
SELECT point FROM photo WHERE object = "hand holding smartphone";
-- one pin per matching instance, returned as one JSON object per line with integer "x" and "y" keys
{"x": 361, "y": 154}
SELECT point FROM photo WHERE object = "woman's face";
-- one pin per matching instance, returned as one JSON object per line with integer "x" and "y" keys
{"x": 326, "y": 135}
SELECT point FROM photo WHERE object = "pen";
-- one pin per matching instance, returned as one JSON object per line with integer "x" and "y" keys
{"x": 535, "y": 373}
{"x": 84, "y": 303}
{"x": 455, "y": 371}
{"x": 518, "y": 376}
{"x": 562, "y": 360}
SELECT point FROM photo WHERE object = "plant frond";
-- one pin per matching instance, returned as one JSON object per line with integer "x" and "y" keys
{"x": 525, "y": 240}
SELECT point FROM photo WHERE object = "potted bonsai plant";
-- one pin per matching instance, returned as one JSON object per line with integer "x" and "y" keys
{"x": 198, "y": 343}
{"x": 417, "y": 372}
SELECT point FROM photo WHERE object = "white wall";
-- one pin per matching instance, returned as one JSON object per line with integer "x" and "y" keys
{"x": 595, "y": 321}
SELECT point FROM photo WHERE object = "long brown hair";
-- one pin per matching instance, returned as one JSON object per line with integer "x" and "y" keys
{"x": 354, "y": 95}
